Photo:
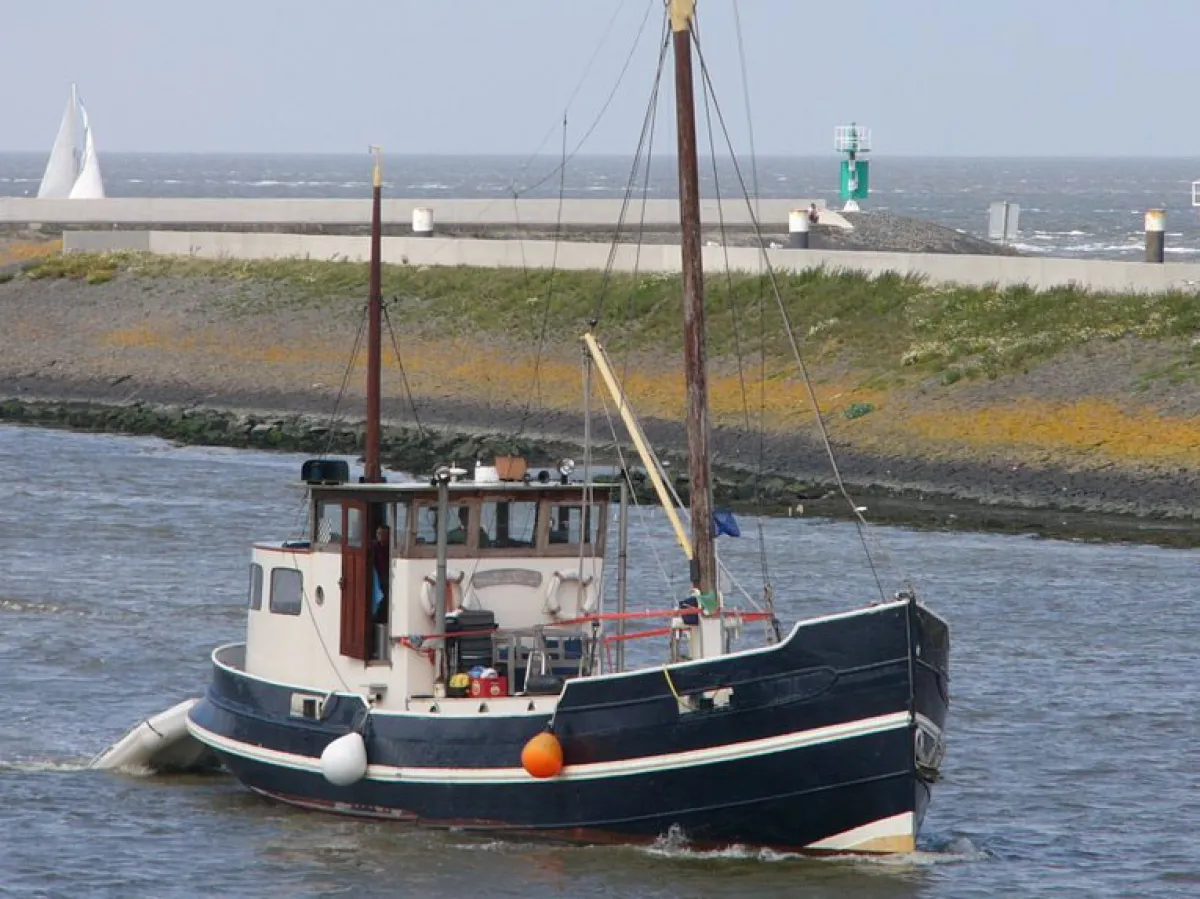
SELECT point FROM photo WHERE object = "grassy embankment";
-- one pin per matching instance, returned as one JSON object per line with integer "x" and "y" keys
{"x": 25, "y": 252}
{"x": 1061, "y": 376}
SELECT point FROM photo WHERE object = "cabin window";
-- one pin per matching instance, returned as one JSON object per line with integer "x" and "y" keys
{"x": 575, "y": 524}
{"x": 329, "y": 523}
{"x": 399, "y": 525}
{"x": 287, "y": 591}
{"x": 508, "y": 525}
{"x": 256, "y": 585}
{"x": 354, "y": 527}
{"x": 459, "y": 526}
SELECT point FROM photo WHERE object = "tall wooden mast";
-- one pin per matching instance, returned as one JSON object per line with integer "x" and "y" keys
{"x": 704, "y": 558}
{"x": 372, "y": 470}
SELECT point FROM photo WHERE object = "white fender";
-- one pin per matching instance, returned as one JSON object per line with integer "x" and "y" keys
{"x": 344, "y": 761}
{"x": 553, "y": 605}
{"x": 453, "y": 593}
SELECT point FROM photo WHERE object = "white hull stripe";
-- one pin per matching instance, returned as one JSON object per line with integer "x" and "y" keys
{"x": 897, "y": 827}
{"x": 594, "y": 770}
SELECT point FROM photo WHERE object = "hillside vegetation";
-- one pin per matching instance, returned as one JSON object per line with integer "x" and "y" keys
{"x": 889, "y": 323}
{"x": 902, "y": 366}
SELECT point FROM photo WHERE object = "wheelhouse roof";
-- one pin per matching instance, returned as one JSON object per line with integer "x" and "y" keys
{"x": 387, "y": 489}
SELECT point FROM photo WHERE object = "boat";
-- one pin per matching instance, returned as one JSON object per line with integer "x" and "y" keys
{"x": 434, "y": 651}
{"x": 73, "y": 172}
{"x": 160, "y": 744}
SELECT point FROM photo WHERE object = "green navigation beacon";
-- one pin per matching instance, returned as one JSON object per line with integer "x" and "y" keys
{"x": 855, "y": 142}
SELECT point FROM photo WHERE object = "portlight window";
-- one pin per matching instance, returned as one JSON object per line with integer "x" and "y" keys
{"x": 287, "y": 591}
{"x": 256, "y": 586}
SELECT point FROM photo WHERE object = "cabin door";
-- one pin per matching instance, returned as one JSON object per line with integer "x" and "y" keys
{"x": 356, "y": 583}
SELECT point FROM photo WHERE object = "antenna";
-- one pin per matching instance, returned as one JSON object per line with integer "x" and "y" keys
{"x": 855, "y": 142}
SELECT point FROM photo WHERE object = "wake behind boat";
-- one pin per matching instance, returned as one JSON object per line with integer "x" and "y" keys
{"x": 438, "y": 651}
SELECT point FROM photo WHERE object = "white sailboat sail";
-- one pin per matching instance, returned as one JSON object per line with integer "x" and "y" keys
{"x": 69, "y": 173}
{"x": 89, "y": 185}
{"x": 62, "y": 169}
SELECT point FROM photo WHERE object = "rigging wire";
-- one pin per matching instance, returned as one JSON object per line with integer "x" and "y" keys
{"x": 630, "y": 310}
{"x": 517, "y": 192}
{"x": 341, "y": 394}
{"x": 684, "y": 511}
{"x": 648, "y": 121}
{"x": 860, "y": 522}
{"x": 603, "y": 109}
{"x": 302, "y": 512}
{"x": 579, "y": 83}
{"x": 412, "y": 403}
{"x": 306, "y": 602}
{"x": 737, "y": 27}
{"x": 761, "y": 309}
{"x": 633, "y": 493}
{"x": 649, "y": 124}
{"x": 768, "y": 594}
{"x": 536, "y": 393}
{"x": 672, "y": 493}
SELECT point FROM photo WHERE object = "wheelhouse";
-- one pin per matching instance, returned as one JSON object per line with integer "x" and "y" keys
{"x": 522, "y": 571}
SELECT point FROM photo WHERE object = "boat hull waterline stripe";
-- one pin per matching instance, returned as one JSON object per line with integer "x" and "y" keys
{"x": 624, "y": 767}
{"x": 896, "y": 833}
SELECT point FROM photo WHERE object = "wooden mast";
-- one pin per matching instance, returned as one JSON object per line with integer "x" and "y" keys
{"x": 372, "y": 470}
{"x": 704, "y": 558}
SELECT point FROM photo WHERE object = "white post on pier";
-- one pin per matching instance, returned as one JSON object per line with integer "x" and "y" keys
{"x": 422, "y": 222}
{"x": 798, "y": 229}
{"x": 1156, "y": 235}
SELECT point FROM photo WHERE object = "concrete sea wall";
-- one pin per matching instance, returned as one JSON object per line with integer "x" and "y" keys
{"x": 192, "y": 211}
{"x": 1036, "y": 272}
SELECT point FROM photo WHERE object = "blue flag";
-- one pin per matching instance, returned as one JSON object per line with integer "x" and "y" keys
{"x": 725, "y": 523}
{"x": 376, "y": 593}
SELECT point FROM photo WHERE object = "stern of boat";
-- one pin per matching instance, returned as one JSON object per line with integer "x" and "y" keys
{"x": 931, "y": 699}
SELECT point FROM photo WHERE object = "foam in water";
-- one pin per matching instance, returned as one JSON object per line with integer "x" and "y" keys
{"x": 44, "y": 766}
{"x": 675, "y": 845}
{"x": 38, "y": 608}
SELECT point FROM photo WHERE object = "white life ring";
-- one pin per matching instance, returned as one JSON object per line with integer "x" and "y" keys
{"x": 587, "y": 597}
{"x": 453, "y": 597}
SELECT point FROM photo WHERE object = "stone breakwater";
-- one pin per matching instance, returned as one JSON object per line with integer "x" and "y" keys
{"x": 403, "y": 449}
{"x": 892, "y": 499}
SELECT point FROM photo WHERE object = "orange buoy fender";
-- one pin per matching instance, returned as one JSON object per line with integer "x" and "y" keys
{"x": 542, "y": 756}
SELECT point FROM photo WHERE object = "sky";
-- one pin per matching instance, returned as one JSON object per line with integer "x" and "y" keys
{"x": 929, "y": 77}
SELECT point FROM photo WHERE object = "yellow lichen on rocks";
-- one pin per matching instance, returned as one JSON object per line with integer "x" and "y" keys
{"x": 1089, "y": 431}
{"x": 26, "y": 251}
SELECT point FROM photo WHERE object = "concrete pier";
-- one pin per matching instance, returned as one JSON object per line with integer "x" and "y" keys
{"x": 1037, "y": 272}
{"x": 172, "y": 211}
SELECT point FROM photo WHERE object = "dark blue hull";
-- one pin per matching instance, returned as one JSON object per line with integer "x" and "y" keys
{"x": 829, "y": 740}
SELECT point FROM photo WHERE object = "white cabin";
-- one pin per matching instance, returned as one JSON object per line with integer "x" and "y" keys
{"x": 524, "y": 563}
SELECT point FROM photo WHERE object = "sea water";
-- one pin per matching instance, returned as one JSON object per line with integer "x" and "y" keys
{"x": 1073, "y": 765}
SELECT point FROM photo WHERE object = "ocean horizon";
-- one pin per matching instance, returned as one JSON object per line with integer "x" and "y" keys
{"x": 1083, "y": 207}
